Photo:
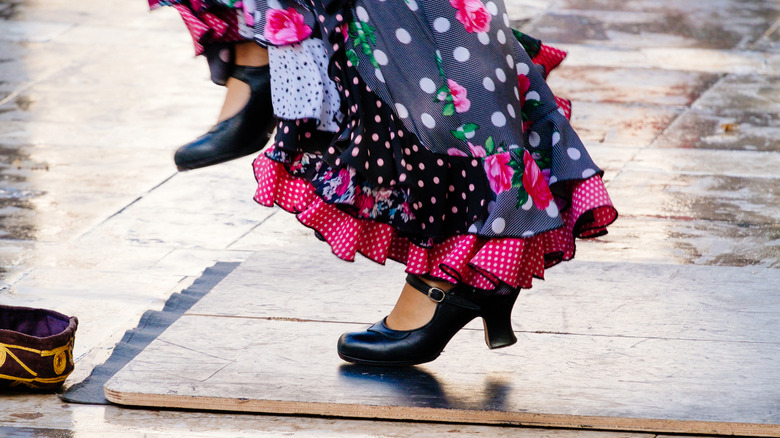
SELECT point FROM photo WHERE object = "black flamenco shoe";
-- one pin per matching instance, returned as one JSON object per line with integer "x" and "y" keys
{"x": 243, "y": 134}
{"x": 382, "y": 346}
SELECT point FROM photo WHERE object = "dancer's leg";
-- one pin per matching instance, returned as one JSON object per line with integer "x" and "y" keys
{"x": 238, "y": 92}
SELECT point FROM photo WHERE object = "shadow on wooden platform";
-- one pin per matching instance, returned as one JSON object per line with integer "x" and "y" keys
{"x": 651, "y": 348}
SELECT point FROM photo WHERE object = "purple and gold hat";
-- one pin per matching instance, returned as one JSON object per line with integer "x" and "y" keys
{"x": 36, "y": 348}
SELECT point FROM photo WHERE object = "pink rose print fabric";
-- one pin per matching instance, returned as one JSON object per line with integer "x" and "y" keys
{"x": 472, "y": 14}
{"x": 535, "y": 184}
{"x": 285, "y": 26}
{"x": 459, "y": 96}
{"x": 499, "y": 173}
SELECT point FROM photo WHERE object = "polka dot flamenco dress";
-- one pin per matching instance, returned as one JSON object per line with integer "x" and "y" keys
{"x": 419, "y": 131}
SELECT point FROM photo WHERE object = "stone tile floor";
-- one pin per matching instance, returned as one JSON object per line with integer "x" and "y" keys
{"x": 678, "y": 100}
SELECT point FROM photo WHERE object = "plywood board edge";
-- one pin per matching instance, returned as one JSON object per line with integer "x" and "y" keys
{"x": 441, "y": 415}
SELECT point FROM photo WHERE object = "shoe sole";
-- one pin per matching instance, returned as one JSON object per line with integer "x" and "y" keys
{"x": 377, "y": 363}
{"x": 210, "y": 161}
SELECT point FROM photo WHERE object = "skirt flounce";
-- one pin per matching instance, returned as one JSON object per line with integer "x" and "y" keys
{"x": 480, "y": 262}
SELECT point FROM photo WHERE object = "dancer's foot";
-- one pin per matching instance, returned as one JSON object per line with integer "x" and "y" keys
{"x": 425, "y": 334}
{"x": 246, "y": 120}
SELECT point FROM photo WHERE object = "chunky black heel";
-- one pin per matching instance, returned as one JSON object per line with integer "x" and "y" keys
{"x": 496, "y": 313}
{"x": 381, "y": 345}
{"x": 243, "y": 134}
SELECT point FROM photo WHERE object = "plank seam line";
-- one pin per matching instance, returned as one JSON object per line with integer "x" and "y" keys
{"x": 526, "y": 332}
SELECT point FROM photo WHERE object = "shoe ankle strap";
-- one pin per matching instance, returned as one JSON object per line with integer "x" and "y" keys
{"x": 440, "y": 295}
{"x": 250, "y": 75}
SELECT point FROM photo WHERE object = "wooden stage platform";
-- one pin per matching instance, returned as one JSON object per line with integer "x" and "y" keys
{"x": 614, "y": 346}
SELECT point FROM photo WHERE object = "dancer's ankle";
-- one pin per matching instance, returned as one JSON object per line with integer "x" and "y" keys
{"x": 413, "y": 309}
{"x": 236, "y": 98}
{"x": 250, "y": 54}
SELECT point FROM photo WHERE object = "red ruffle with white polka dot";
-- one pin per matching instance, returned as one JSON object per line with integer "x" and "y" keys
{"x": 480, "y": 262}
{"x": 217, "y": 26}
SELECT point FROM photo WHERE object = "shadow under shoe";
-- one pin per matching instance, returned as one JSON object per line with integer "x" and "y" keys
{"x": 243, "y": 134}
{"x": 408, "y": 386}
{"x": 380, "y": 345}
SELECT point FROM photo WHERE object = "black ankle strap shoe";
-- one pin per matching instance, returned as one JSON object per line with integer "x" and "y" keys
{"x": 382, "y": 346}
{"x": 243, "y": 134}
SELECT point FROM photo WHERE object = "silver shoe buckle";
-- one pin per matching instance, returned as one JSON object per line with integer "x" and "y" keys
{"x": 436, "y": 295}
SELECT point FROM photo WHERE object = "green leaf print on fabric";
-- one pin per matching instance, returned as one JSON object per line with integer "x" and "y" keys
{"x": 453, "y": 95}
{"x": 522, "y": 198}
{"x": 543, "y": 158}
{"x": 353, "y": 57}
{"x": 532, "y": 46}
{"x": 465, "y": 132}
{"x": 530, "y": 106}
{"x": 517, "y": 181}
{"x": 443, "y": 92}
{"x": 490, "y": 146}
{"x": 363, "y": 37}
{"x": 449, "y": 109}
{"x": 517, "y": 178}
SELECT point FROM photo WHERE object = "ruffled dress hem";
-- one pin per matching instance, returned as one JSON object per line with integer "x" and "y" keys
{"x": 480, "y": 262}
